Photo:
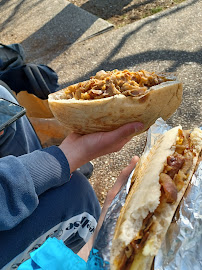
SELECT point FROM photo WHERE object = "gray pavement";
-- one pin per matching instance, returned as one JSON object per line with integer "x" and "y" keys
{"x": 47, "y": 27}
{"x": 168, "y": 41}
{"x": 69, "y": 39}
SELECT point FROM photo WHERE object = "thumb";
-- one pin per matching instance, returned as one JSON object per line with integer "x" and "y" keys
{"x": 122, "y": 179}
{"x": 125, "y": 132}
{"x": 130, "y": 129}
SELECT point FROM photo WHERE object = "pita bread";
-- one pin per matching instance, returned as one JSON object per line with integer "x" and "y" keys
{"x": 106, "y": 114}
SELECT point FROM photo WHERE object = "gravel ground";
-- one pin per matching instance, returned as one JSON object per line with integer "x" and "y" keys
{"x": 108, "y": 167}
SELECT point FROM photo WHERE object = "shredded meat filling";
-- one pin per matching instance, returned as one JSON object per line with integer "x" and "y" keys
{"x": 110, "y": 83}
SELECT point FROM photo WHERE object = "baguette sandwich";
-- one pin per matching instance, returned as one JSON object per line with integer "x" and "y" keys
{"x": 158, "y": 184}
{"x": 111, "y": 99}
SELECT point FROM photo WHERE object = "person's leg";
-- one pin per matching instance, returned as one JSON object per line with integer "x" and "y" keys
{"x": 19, "y": 138}
{"x": 69, "y": 212}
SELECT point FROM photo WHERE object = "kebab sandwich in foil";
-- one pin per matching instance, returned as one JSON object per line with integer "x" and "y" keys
{"x": 158, "y": 185}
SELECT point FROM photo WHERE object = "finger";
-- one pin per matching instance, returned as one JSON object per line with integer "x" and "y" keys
{"x": 113, "y": 141}
{"x": 128, "y": 130}
{"x": 122, "y": 179}
{"x": 116, "y": 139}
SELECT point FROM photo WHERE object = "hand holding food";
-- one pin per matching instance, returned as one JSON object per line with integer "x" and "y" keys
{"x": 79, "y": 149}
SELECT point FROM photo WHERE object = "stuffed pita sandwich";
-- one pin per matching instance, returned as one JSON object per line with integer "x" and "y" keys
{"x": 111, "y": 99}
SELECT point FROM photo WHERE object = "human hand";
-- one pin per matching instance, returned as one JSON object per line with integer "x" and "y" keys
{"x": 1, "y": 132}
{"x": 79, "y": 149}
{"x": 121, "y": 180}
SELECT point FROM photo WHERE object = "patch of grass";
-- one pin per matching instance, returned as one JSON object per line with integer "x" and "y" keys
{"x": 152, "y": 11}
{"x": 178, "y": 1}
{"x": 120, "y": 16}
{"x": 155, "y": 10}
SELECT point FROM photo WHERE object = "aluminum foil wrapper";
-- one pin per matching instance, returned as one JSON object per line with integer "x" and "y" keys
{"x": 182, "y": 246}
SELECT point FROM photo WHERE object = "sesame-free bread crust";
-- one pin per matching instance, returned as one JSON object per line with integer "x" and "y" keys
{"x": 107, "y": 114}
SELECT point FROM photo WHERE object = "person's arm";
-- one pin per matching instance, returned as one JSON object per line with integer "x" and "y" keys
{"x": 24, "y": 178}
{"x": 63, "y": 256}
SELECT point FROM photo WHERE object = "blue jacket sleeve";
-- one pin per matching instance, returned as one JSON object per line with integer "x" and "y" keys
{"x": 24, "y": 178}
